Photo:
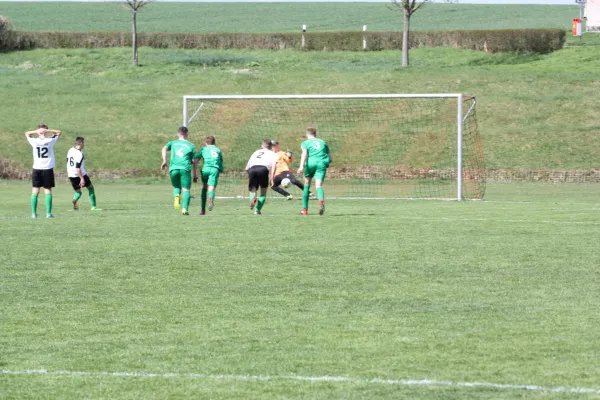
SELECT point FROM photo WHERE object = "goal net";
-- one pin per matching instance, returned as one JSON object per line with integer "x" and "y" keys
{"x": 383, "y": 146}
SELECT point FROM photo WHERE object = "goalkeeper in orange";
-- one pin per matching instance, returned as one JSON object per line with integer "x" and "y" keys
{"x": 282, "y": 171}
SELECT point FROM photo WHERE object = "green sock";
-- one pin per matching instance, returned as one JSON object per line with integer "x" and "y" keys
{"x": 320, "y": 193}
{"x": 252, "y": 195}
{"x": 261, "y": 202}
{"x": 48, "y": 203}
{"x": 34, "y": 203}
{"x": 77, "y": 196}
{"x": 203, "y": 199}
{"x": 92, "y": 196}
{"x": 305, "y": 196}
{"x": 211, "y": 194}
{"x": 176, "y": 192}
{"x": 186, "y": 199}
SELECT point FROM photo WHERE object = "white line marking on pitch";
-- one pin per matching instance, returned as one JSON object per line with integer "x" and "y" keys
{"x": 520, "y": 221}
{"x": 343, "y": 379}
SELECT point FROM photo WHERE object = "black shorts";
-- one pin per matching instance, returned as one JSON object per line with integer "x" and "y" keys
{"x": 258, "y": 177}
{"x": 287, "y": 174}
{"x": 75, "y": 182}
{"x": 42, "y": 178}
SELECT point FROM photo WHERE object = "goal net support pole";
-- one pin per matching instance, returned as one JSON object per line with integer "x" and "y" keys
{"x": 459, "y": 148}
{"x": 420, "y": 122}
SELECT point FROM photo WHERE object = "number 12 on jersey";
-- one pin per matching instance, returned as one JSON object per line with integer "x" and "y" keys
{"x": 42, "y": 152}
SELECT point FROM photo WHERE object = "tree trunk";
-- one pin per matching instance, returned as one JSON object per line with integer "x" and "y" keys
{"x": 134, "y": 38}
{"x": 405, "y": 38}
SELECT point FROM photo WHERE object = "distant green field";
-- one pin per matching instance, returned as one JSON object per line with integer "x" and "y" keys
{"x": 534, "y": 111}
{"x": 279, "y": 17}
{"x": 376, "y": 299}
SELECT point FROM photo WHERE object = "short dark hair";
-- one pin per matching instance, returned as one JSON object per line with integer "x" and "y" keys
{"x": 267, "y": 144}
{"x": 42, "y": 125}
{"x": 183, "y": 131}
{"x": 79, "y": 139}
{"x": 210, "y": 140}
{"x": 311, "y": 131}
{"x": 274, "y": 142}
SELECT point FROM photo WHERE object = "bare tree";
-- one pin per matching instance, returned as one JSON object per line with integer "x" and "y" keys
{"x": 134, "y": 6}
{"x": 408, "y": 7}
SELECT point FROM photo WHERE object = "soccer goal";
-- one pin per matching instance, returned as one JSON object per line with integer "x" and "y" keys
{"x": 418, "y": 146}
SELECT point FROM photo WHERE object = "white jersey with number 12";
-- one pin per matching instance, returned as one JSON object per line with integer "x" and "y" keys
{"x": 43, "y": 152}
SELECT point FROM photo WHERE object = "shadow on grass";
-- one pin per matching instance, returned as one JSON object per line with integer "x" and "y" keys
{"x": 210, "y": 60}
{"x": 505, "y": 59}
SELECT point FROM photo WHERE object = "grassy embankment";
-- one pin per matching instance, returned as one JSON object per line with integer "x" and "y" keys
{"x": 535, "y": 111}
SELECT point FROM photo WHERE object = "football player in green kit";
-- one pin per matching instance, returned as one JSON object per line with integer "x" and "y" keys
{"x": 211, "y": 168}
{"x": 180, "y": 168}
{"x": 314, "y": 162}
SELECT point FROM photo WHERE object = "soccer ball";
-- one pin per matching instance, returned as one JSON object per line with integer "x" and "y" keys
{"x": 285, "y": 182}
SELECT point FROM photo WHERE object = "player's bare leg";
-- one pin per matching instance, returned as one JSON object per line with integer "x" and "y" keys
{"x": 305, "y": 195}
{"x": 321, "y": 196}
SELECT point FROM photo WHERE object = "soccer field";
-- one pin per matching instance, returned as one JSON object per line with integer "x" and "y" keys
{"x": 376, "y": 299}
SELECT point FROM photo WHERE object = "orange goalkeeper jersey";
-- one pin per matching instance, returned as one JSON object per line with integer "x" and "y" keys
{"x": 282, "y": 163}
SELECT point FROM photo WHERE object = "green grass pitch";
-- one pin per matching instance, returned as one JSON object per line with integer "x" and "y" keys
{"x": 233, "y": 305}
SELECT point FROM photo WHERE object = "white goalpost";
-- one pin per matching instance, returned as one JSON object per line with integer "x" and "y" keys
{"x": 384, "y": 145}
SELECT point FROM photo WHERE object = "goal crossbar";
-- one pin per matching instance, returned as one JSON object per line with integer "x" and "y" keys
{"x": 323, "y": 96}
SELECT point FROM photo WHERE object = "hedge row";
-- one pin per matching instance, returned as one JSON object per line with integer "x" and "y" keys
{"x": 493, "y": 41}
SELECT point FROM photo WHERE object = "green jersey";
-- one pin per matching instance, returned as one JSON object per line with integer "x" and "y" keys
{"x": 182, "y": 153}
{"x": 212, "y": 157}
{"x": 318, "y": 151}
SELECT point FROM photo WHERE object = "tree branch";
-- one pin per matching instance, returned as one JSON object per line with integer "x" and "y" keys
{"x": 136, "y": 5}
{"x": 420, "y": 5}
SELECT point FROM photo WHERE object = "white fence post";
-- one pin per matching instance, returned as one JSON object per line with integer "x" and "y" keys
{"x": 303, "y": 32}
{"x": 364, "y": 38}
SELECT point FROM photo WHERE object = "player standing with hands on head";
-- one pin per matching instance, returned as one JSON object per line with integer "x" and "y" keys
{"x": 42, "y": 174}
{"x": 180, "y": 169}
{"x": 77, "y": 174}
{"x": 314, "y": 162}
{"x": 211, "y": 168}
{"x": 261, "y": 171}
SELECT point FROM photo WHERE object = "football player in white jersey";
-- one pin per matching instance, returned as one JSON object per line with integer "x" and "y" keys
{"x": 261, "y": 171}
{"x": 77, "y": 174}
{"x": 42, "y": 174}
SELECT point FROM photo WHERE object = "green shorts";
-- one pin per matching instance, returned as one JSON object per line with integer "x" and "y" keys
{"x": 317, "y": 170}
{"x": 181, "y": 179}
{"x": 210, "y": 176}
